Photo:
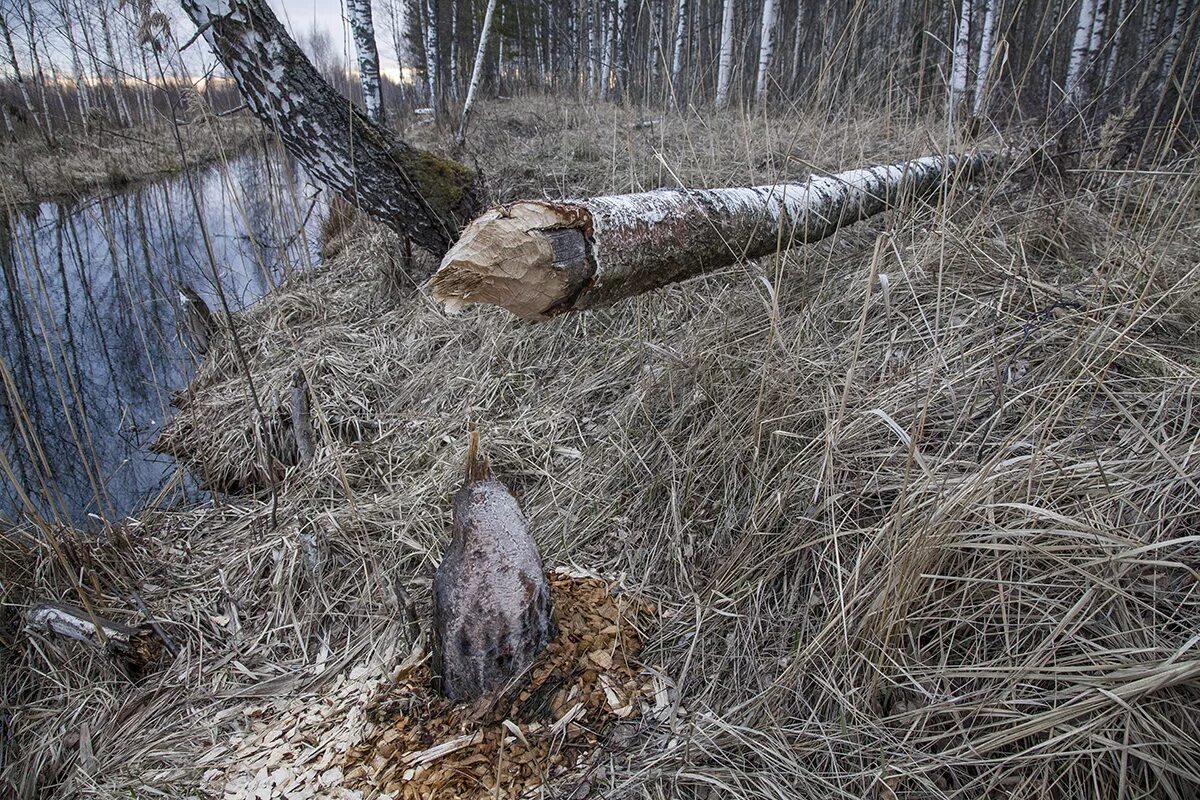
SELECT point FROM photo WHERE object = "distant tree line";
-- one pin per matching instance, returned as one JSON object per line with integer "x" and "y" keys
{"x": 993, "y": 56}
{"x": 78, "y": 63}
{"x": 86, "y": 65}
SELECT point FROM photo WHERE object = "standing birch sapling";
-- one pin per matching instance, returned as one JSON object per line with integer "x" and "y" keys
{"x": 476, "y": 71}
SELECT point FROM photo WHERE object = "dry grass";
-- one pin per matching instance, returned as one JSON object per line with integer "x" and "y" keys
{"x": 82, "y": 163}
{"x": 917, "y": 505}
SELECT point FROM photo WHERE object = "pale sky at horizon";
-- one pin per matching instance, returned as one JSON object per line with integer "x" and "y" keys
{"x": 300, "y": 16}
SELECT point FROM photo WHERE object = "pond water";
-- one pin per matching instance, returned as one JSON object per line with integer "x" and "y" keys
{"x": 91, "y": 348}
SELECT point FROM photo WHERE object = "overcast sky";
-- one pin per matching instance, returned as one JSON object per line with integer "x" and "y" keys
{"x": 300, "y": 16}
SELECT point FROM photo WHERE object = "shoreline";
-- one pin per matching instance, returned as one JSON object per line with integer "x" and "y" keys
{"x": 83, "y": 166}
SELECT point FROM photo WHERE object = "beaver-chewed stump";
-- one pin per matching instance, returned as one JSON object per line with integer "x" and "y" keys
{"x": 491, "y": 602}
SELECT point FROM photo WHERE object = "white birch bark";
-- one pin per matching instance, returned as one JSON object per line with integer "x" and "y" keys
{"x": 961, "y": 56}
{"x": 1079, "y": 50}
{"x": 397, "y": 20}
{"x": 20, "y": 79}
{"x": 419, "y": 194}
{"x": 593, "y": 53}
{"x": 1097, "y": 33}
{"x": 797, "y": 37}
{"x": 725, "y": 65}
{"x": 115, "y": 69}
{"x": 431, "y": 52}
{"x": 476, "y": 69}
{"x": 538, "y": 258}
{"x": 681, "y": 17}
{"x": 985, "y": 55}
{"x": 620, "y": 69}
{"x": 453, "y": 55}
{"x": 362, "y": 27}
{"x": 765, "y": 47}
{"x": 83, "y": 96}
{"x": 1170, "y": 52}
{"x": 606, "y": 55}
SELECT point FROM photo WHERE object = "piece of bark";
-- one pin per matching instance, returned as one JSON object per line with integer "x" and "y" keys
{"x": 491, "y": 600}
{"x": 136, "y": 650}
{"x": 539, "y": 258}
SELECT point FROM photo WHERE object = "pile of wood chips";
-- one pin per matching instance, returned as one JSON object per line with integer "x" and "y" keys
{"x": 380, "y": 735}
{"x": 587, "y": 679}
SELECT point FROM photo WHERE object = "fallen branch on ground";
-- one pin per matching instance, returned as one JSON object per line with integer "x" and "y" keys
{"x": 136, "y": 650}
{"x": 539, "y": 258}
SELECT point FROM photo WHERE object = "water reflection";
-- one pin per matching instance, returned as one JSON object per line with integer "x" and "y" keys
{"x": 90, "y": 349}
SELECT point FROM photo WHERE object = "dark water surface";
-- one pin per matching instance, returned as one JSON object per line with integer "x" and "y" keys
{"x": 89, "y": 311}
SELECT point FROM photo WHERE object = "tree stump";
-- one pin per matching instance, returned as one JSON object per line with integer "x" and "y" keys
{"x": 491, "y": 601}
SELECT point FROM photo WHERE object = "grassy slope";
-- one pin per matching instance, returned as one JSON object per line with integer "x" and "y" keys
{"x": 928, "y": 534}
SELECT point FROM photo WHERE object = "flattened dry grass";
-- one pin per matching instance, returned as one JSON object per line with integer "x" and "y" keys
{"x": 917, "y": 506}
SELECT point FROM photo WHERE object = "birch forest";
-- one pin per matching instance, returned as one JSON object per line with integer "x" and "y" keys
{"x": 407, "y": 399}
{"x": 117, "y": 62}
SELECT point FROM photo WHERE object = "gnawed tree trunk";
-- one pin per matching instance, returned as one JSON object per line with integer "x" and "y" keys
{"x": 421, "y": 195}
{"x": 539, "y": 258}
{"x": 363, "y": 28}
{"x": 491, "y": 601}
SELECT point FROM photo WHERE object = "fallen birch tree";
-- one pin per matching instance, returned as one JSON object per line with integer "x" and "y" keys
{"x": 539, "y": 258}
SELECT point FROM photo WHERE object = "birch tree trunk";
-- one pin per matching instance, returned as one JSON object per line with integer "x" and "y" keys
{"x": 797, "y": 37}
{"x": 476, "y": 70}
{"x": 115, "y": 69}
{"x": 417, "y": 193}
{"x": 765, "y": 47}
{"x": 1110, "y": 69}
{"x": 363, "y": 29}
{"x": 538, "y": 258}
{"x": 1079, "y": 51}
{"x": 452, "y": 56}
{"x": 962, "y": 55}
{"x": 725, "y": 66}
{"x": 985, "y": 56}
{"x": 620, "y": 69}
{"x": 20, "y": 79}
{"x": 681, "y": 16}
{"x": 431, "y": 52}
